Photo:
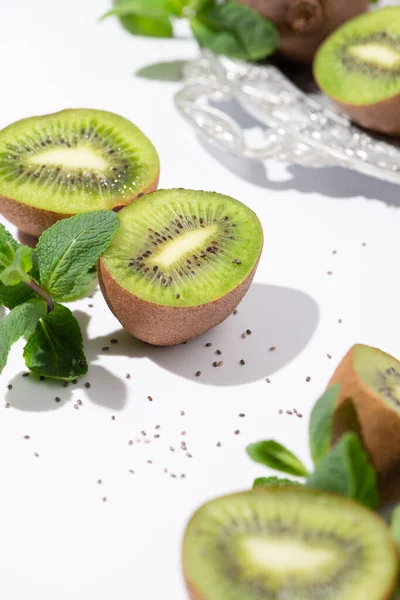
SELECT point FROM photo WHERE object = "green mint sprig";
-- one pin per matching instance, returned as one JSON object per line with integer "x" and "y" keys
{"x": 228, "y": 28}
{"x": 34, "y": 282}
{"x": 344, "y": 470}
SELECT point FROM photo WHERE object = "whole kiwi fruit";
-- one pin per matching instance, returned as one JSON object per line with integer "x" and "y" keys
{"x": 369, "y": 404}
{"x": 304, "y": 24}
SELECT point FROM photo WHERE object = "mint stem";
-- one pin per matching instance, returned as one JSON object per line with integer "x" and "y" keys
{"x": 42, "y": 293}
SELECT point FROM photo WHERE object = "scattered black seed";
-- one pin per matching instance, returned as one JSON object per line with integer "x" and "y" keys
{"x": 149, "y": 398}
{"x": 329, "y": 355}
{"x": 329, "y": 273}
{"x": 299, "y": 415}
{"x": 36, "y": 455}
{"x": 340, "y": 321}
{"x": 219, "y": 444}
{"x": 248, "y": 331}
{"x": 128, "y": 376}
{"x": 198, "y": 373}
{"x": 114, "y": 341}
{"x": 189, "y": 455}
{"x": 208, "y": 344}
{"x": 237, "y": 432}
{"x": 27, "y": 437}
{"x": 42, "y": 378}
{"x": 289, "y": 412}
{"x": 79, "y": 402}
{"x": 76, "y": 406}
{"x": 218, "y": 352}
{"x": 9, "y": 386}
{"x": 334, "y": 251}
{"x": 272, "y": 348}
{"x": 75, "y": 381}
{"x": 7, "y": 405}
{"x": 113, "y": 418}
{"x": 156, "y": 435}
{"x": 280, "y": 411}
{"x": 243, "y": 336}
{"x": 65, "y": 384}
{"x": 221, "y": 363}
{"x": 242, "y": 362}
{"x": 178, "y": 296}
{"x": 308, "y": 379}
{"x": 183, "y": 433}
{"x": 143, "y": 433}
{"x": 87, "y": 385}
{"x": 182, "y": 413}
{"x": 242, "y": 415}
{"x": 172, "y": 449}
{"x": 131, "y": 471}
{"x": 268, "y": 380}
{"x": 364, "y": 244}
{"x": 215, "y": 364}
{"x": 235, "y": 312}
{"x": 130, "y": 442}
{"x": 90, "y": 305}
{"x": 25, "y": 374}
{"x": 105, "y": 348}
{"x": 183, "y": 476}
{"x": 149, "y": 462}
{"x": 104, "y": 499}
{"x": 157, "y": 427}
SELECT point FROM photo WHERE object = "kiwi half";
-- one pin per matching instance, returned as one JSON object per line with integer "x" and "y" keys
{"x": 369, "y": 403}
{"x": 288, "y": 544}
{"x": 359, "y": 68}
{"x": 73, "y": 161}
{"x": 304, "y": 24}
{"x": 180, "y": 263}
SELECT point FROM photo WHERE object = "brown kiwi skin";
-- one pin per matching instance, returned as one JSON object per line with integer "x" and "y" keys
{"x": 161, "y": 325}
{"x": 34, "y": 221}
{"x": 304, "y": 24}
{"x": 381, "y": 117}
{"x": 378, "y": 425}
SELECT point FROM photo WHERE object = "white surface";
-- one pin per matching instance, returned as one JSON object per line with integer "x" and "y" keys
{"x": 57, "y": 538}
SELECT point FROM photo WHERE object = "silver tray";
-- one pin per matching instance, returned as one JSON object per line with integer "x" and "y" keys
{"x": 296, "y": 126}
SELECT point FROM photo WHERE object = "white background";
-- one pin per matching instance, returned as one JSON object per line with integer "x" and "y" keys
{"x": 58, "y": 539}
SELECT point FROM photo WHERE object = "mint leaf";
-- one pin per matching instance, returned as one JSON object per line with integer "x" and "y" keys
{"x": 55, "y": 348}
{"x": 20, "y": 322}
{"x": 395, "y": 525}
{"x": 321, "y": 423}
{"x": 277, "y": 457}
{"x": 274, "y": 481}
{"x": 346, "y": 471}
{"x": 69, "y": 249}
{"x": 142, "y": 19}
{"x": 146, "y": 8}
{"x": 12, "y": 296}
{"x": 18, "y": 269}
{"x": 235, "y": 30}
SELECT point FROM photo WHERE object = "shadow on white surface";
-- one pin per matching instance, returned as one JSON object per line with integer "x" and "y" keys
{"x": 278, "y": 317}
{"x": 333, "y": 182}
{"x": 162, "y": 71}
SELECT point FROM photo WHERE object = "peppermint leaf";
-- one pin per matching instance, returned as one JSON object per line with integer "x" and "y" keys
{"x": 273, "y": 481}
{"x": 347, "y": 471}
{"x": 321, "y": 423}
{"x": 235, "y": 30}
{"x": 18, "y": 294}
{"x": 55, "y": 348}
{"x": 276, "y": 456}
{"x": 17, "y": 271}
{"x": 20, "y": 322}
{"x": 69, "y": 249}
{"x": 146, "y": 17}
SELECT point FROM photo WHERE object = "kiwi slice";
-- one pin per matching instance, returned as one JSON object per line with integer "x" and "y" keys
{"x": 288, "y": 544}
{"x": 369, "y": 403}
{"x": 304, "y": 24}
{"x": 358, "y": 66}
{"x": 180, "y": 263}
{"x": 69, "y": 162}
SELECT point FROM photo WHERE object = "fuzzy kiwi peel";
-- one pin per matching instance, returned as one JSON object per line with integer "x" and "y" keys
{"x": 304, "y": 24}
{"x": 180, "y": 263}
{"x": 358, "y": 66}
{"x": 369, "y": 403}
{"x": 292, "y": 543}
{"x": 76, "y": 160}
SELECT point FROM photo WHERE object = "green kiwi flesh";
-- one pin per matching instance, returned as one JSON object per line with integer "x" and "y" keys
{"x": 184, "y": 248}
{"x": 75, "y": 161}
{"x": 358, "y": 66}
{"x": 288, "y": 543}
{"x": 379, "y": 371}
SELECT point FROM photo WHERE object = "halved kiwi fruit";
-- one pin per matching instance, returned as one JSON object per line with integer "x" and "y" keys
{"x": 369, "y": 403}
{"x": 288, "y": 544}
{"x": 304, "y": 24}
{"x": 180, "y": 263}
{"x": 358, "y": 66}
{"x": 73, "y": 161}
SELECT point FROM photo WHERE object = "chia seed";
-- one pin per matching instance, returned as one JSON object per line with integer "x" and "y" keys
{"x": 25, "y": 374}
{"x": 268, "y": 380}
{"x": 27, "y": 437}
{"x": 79, "y": 402}
{"x": 218, "y": 352}
{"x": 87, "y": 385}
{"x": 76, "y": 406}
{"x": 114, "y": 341}
{"x": 113, "y": 418}
{"x": 9, "y": 386}
{"x": 7, "y": 405}
{"x": 248, "y": 331}
{"x": 219, "y": 444}
{"x": 242, "y": 415}
{"x": 105, "y": 348}
{"x": 242, "y": 362}
{"x": 57, "y": 399}
{"x": 329, "y": 356}
{"x": 198, "y": 373}
{"x": 237, "y": 432}
{"x": 128, "y": 376}
{"x": 235, "y": 312}
{"x": 289, "y": 412}
{"x": 208, "y": 345}
{"x": 308, "y": 379}
{"x": 272, "y": 348}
